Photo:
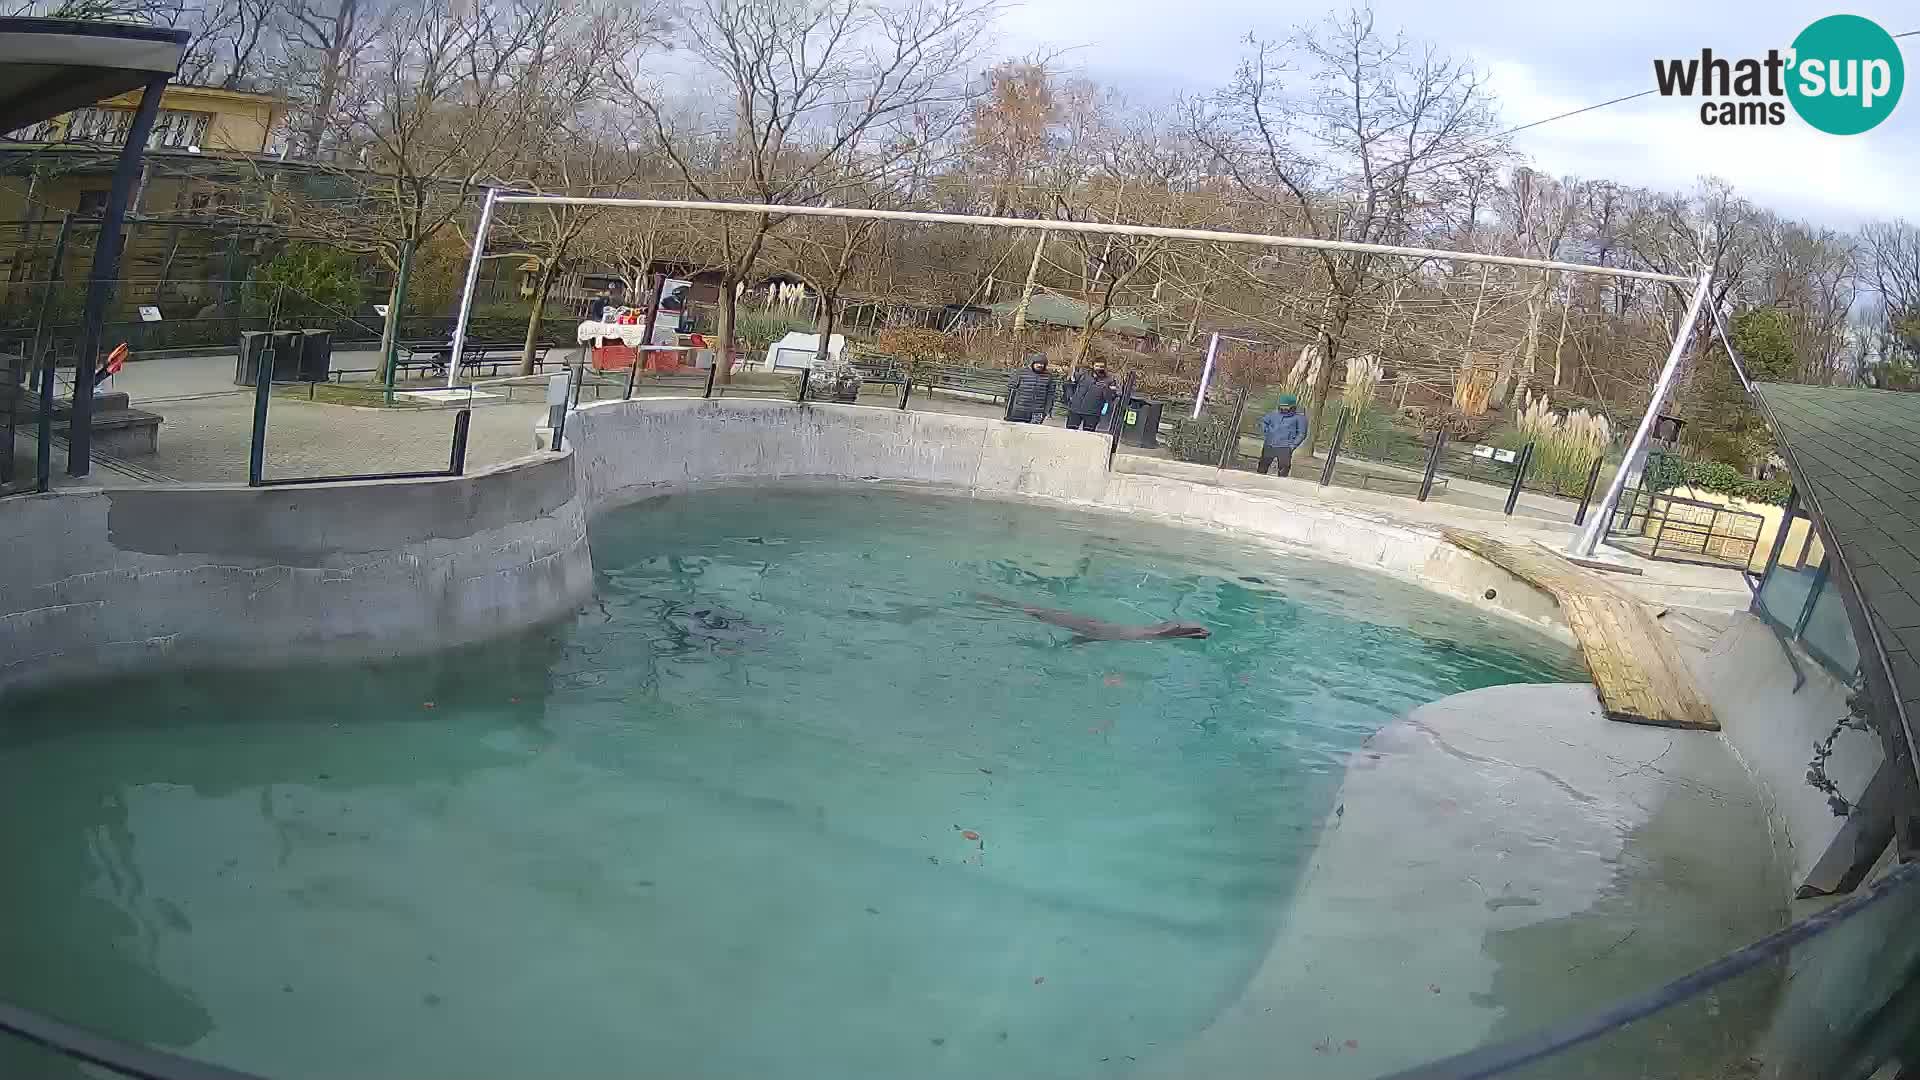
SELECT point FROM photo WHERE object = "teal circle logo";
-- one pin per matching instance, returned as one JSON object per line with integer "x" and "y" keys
{"x": 1846, "y": 75}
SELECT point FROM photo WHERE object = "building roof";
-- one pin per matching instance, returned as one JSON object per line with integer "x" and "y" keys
{"x": 1053, "y": 309}
{"x": 53, "y": 66}
{"x": 1855, "y": 456}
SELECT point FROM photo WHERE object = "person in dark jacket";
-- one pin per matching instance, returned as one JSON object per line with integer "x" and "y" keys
{"x": 1030, "y": 392}
{"x": 1281, "y": 433}
{"x": 1088, "y": 394}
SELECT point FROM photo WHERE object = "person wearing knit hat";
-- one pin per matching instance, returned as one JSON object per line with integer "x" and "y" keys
{"x": 1282, "y": 431}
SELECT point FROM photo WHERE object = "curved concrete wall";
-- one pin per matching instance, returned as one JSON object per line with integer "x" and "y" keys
{"x": 113, "y": 580}
{"x": 628, "y": 450}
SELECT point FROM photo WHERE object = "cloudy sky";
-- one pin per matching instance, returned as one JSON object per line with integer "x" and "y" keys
{"x": 1547, "y": 57}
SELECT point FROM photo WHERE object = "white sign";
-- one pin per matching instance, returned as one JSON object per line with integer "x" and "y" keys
{"x": 380, "y": 310}
{"x": 149, "y": 313}
{"x": 1497, "y": 454}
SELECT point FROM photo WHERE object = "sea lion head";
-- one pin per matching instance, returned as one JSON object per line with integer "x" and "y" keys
{"x": 1181, "y": 629}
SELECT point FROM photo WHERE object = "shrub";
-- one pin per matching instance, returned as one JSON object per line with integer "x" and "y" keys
{"x": 305, "y": 280}
{"x": 1200, "y": 441}
{"x": 1565, "y": 446}
{"x": 1667, "y": 471}
{"x": 915, "y": 348}
{"x": 754, "y": 331}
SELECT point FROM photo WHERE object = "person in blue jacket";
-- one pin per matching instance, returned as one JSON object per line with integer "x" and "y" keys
{"x": 1282, "y": 431}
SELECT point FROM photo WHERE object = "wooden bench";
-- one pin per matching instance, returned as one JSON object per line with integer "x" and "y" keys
{"x": 476, "y": 360}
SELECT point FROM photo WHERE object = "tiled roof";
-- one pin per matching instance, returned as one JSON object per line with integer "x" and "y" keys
{"x": 1857, "y": 461}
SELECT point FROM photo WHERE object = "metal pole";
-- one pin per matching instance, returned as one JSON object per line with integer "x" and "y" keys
{"x": 466, "y": 292}
{"x": 54, "y": 271}
{"x": 1206, "y": 374}
{"x": 646, "y": 335}
{"x": 560, "y": 421}
{"x": 1786, "y": 526}
{"x": 262, "y": 394}
{"x": 805, "y": 375}
{"x": 397, "y": 312}
{"x": 457, "y": 463}
{"x": 1333, "y": 452}
{"x": 43, "y": 466}
{"x": 906, "y": 386}
{"x": 105, "y": 275}
{"x": 1119, "y": 418}
{"x": 1433, "y": 462}
{"x": 1588, "y": 541}
{"x": 1230, "y": 452}
{"x": 1586, "y": 496}
{"x": 1519, "y": 477}
{"x": 712, "y": 370}
{"x": 1101, "y": 227}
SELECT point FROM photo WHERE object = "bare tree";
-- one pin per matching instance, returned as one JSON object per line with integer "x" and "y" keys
{"x": 809, "y": 84}
{"x": 1536, "y": 214}
{"x": 236, "y": 43}
{"x": 424, "y": 123}
{"x": 1389, "y": 121}
{"x": 567, "y": 139}
{"x": 1892, "y": 256}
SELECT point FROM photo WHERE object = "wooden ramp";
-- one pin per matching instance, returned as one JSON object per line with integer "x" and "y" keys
{"x": 1641, "y": 676}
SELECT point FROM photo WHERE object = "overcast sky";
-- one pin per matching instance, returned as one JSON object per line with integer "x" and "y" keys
{"x": 1547, "y": 57}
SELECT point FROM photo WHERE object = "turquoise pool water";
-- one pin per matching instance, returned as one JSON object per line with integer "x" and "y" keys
{"x": 784, "y": 800}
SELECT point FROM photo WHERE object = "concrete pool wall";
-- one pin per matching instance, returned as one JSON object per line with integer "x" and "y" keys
{"x": 102, "y": 581}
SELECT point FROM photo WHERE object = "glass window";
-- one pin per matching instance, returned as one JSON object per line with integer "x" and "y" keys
{"x": 1783, "y": 596}
{"x": 1828, "y": 635}
{"x": 1801, "y": 600}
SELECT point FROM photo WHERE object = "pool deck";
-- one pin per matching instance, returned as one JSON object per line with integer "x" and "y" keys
{"x": 1480, "y": 877}
{"x": 1640, "y": 674}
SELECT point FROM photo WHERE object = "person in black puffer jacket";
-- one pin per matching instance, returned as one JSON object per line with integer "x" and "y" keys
{"x": 1030, "y": 392}
{"x": 1088, "y": 395}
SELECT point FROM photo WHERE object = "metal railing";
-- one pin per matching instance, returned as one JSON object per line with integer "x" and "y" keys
{"x": 257, "y": 443}
{"x": 1662, "y": 526}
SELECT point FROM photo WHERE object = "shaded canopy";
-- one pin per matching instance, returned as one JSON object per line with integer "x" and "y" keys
{"x": 54, "y": 66}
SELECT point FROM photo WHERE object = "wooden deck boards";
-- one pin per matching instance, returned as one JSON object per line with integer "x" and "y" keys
{"x": 1640, "y": 674}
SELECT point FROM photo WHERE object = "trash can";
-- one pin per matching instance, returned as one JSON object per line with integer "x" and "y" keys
{"x": 316, "y": 355}
{"x": 247, "y": 356}
{"x": 1142, "y": 423}
{"x": 287, "y": 349}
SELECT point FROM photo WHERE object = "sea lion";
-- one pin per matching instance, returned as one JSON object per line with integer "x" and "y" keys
{"x": 1086, "y": 629}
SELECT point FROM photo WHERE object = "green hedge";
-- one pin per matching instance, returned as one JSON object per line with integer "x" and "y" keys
{"x": 1666, "y": 471}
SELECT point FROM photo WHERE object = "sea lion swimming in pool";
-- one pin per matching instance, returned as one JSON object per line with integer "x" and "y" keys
{"x": 1086, "y": 629}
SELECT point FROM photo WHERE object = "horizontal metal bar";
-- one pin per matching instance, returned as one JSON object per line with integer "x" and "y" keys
{"x": 1048, "y": 225}
{"x": 121, "y": 1058}
{"x": 290, "y": 481}
{"x": 1557, "y": 1038}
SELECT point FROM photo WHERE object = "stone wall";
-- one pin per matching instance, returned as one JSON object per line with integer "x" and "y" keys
{"x": 99, "y": 581}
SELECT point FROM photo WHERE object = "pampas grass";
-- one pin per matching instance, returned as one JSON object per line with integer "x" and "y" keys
{"x": 1565, "y": 445}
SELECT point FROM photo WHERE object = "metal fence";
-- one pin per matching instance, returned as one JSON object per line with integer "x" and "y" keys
{"x": 1663, "y": 526}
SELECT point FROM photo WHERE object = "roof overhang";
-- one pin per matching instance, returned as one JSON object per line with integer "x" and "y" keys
{"x": 54, "y": 66}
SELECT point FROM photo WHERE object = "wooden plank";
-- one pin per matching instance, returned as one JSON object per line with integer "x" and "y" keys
{"x": 1639, "y": 673}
